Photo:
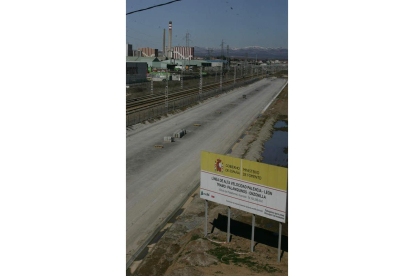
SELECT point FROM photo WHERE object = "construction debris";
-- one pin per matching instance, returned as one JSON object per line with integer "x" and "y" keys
{"x": 180, "y": 133}
{"x": 168, "y": 139}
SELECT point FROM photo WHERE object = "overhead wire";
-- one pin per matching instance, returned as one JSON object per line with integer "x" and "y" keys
{"x": 153, "y": 7}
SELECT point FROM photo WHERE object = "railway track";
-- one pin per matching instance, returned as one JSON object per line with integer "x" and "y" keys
{"x": 149, "y": 101}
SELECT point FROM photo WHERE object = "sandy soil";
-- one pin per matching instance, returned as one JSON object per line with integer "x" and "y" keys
{"x": 183, "y": 250}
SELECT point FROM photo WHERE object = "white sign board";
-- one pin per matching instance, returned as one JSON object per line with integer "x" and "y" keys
{"x": 253, "y": 187}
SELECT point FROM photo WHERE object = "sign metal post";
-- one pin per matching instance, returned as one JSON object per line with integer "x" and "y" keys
{"x": 252, "y": 244}
{"x": 280, "y": 242}
{"x": 228, "y": 225}
{"x": 205, "y": 230}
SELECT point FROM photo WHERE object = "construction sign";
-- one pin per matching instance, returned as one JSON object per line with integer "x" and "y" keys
{"x": 249, "y": 186}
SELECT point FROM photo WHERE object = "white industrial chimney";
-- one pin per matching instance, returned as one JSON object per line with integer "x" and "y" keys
{"x": 169, "y": 41}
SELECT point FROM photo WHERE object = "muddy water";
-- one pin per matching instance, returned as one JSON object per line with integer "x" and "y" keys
{"x": 275, "y": 152}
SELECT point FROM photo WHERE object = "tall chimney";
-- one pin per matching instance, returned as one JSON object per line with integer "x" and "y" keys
{"x": 163, "y": 45}
{"x": 169, "y": 40}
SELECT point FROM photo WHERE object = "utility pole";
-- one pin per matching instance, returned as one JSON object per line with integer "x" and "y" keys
{"x": 209, "y": 51}
{"x": 228, "y": 57}
{"x": 182, "y": 79}
{"x": 152, "y": 84}
{"x": 234, "y": 76}
{"x": 221, "y": 78}
{"x": 187, "y": 45}
{"x": 201, "y": 83}
{"x": 222, "y": 49}
{"x": 166, "y": 94}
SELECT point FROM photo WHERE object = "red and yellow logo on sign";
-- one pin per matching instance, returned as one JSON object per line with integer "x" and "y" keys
{"x": 218, "y": 166}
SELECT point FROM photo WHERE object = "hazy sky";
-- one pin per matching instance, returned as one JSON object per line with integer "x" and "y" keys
{"x": 240, "y": 23}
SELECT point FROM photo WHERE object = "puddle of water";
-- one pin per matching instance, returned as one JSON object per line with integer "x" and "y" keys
{"x": 142, "y": 254}
{"x": 275, "y": 147}
{"x": 156, "y": 238}
{"x": 176, "y": 215}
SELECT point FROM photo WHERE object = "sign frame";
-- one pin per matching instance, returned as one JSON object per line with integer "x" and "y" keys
{"x": 253, "y": 187}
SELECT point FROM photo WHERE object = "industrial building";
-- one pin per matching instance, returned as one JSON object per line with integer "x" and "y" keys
{"x": 149, "y": 52}
{"x": 152, "y": 62}
{"x": 136, "y": 72}
{"x": 182, "y": 52}
{"x": 168, "y": 64}
{"x": 216, "y": 62}
{"x": 181, "y": 62}
{"x": 129, "y": 50}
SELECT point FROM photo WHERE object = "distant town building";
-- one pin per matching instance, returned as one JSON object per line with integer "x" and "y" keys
{"x": 149, "y": 52}
{"x": 182, "y": 52}
{"x": 129, "y": 50}
{"x": 152, "y": 62}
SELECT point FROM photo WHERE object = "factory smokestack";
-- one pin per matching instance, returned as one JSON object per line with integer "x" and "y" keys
{"x": 163, "y": 45}
{"x": 169, "y": 40}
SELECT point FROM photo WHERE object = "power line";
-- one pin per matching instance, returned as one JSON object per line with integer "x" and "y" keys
{"x": 222, "y": 49}
{"x": 153, "y": 7}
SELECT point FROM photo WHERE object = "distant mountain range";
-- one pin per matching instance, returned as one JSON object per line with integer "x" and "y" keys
{"x": 252, "y": 51}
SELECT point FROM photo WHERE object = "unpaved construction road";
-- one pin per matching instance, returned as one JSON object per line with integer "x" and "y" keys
{"x": 158, "y": 180}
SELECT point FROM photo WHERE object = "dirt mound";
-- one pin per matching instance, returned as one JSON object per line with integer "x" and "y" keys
{"x": 199, "y": 246}
{"x": 198, "y": 259}
{"x": 186, "y": 271}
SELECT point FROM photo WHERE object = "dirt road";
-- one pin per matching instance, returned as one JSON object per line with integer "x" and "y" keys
{"x": 158, "y": 180}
